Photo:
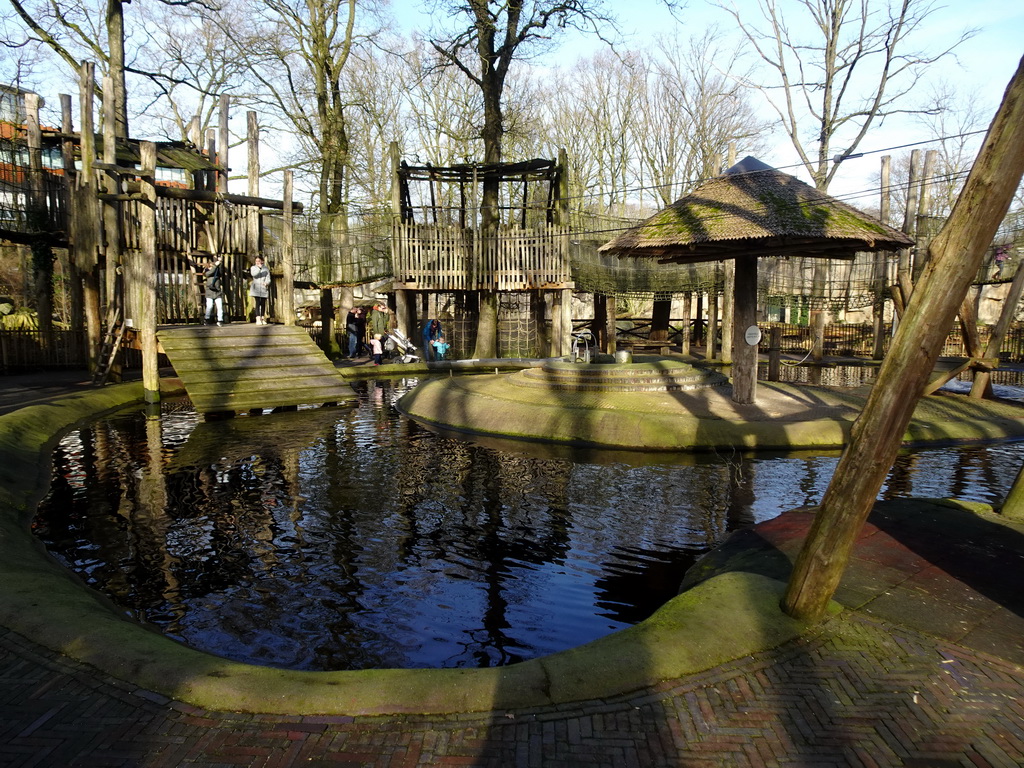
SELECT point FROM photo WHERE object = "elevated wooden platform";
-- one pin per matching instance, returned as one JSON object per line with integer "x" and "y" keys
{"x": 241, "y": 366}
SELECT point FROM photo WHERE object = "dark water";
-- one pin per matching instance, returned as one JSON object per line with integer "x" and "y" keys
{"x": 352, "y": 538}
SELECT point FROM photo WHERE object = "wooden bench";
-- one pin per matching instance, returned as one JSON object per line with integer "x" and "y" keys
{"x": 662, "y": 347}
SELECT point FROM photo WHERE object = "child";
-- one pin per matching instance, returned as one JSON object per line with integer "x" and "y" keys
{"x": 376, "y": 348}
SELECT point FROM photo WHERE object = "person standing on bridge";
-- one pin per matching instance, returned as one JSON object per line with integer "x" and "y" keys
{"x": 259, "y": 288}
{"x": 213, "y": 287}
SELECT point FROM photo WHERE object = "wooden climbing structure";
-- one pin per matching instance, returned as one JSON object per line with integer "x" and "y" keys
{"x": 244, "y": 367}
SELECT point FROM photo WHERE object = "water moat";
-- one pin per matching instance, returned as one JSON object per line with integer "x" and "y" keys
{"x": 354, "y": 538}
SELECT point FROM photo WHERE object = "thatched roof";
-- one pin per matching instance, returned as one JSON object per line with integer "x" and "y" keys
{"x": 755, "y": 210}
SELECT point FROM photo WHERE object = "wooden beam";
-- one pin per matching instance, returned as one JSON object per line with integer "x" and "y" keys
{"x": 956, "y": 255}
{"x": 982, "y": 386}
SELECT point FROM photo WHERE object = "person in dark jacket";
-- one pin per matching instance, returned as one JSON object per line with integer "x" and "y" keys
{"x": 432, "y": 336}
{"x": 213, "y": 287}
{"x": 355, "y": 324}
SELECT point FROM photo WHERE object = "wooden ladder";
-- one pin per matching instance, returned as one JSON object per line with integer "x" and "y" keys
{"x": 109, "y": 349}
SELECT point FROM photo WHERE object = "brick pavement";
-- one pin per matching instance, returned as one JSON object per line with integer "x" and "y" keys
{"x": 856, "y": 692}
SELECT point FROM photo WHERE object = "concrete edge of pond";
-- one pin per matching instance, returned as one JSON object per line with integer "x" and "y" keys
{"x": 724, "y": 618}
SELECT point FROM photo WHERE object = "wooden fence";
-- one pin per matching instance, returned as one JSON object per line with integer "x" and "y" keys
{"x": 441, "y": 258}
{"x": 186, "y": 232}
{"x": 31, "y": 350}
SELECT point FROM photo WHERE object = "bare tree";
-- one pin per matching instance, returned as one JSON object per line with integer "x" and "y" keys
{"x": 193, "y": 64}
{"x": 693, "y": 107}
{"x": 488, "y": 38}
{"x": 295, "y": 53}
{"x": 444, "y": 111}
{"x": 854, "y": 68}
{"x": 80, "y": 30}
{"x": 592, "y": 110}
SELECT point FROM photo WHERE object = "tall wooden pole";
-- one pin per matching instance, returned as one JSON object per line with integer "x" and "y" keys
{"x": 956, "y": 255}
{"x": 904, "y": 273}
{"x": 729, "y": 287}
{"x": 881, "y": 262}
{"x": 86, "y": 218}
{"x": 288, "y": 255}
{"x": 39, "y": 221}
{"x": 253, "y": 145}
{"x": 224, "y": 138}
{"x": 74, "y": 276}
{"x": 111, "y": 208}
{"x": 687, "y": 310}
{"x": 982, "y": 385}
{"x": 144, "y": 275}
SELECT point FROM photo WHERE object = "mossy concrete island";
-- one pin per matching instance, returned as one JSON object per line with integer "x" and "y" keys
{"x": 528, "y": 406}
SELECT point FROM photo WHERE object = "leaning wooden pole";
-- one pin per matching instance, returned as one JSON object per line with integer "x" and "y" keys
{"x": 982, "y": 385}
{"x": 955, "y": 256}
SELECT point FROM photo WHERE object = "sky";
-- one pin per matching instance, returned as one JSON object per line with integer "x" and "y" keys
{"x": 983, "y": 65}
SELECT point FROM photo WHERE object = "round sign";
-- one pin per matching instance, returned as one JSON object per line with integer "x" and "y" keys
{"x": 752, "y": 335}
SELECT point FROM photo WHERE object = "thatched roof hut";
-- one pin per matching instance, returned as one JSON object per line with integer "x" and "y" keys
{"x": 753, "y": 209}
{"x": 750, "y": 211}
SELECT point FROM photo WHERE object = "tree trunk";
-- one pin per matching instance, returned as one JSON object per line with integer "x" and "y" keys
{"x": 115, "y": 43}
{"x": 956, "y": 255}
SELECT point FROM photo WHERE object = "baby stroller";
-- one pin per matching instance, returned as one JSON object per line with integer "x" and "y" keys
{"x": 398, "y": 342}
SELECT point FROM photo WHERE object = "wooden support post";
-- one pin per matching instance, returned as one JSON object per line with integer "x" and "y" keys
{"x": 222, "y": 157}
{"x": 144, "y": 275}
{"x": 687, "y": 309}
{"x": 404, "y": 314}
{"x": 819, "y": 317}
{"x": 661, "y": 314}
{"x": 565, "y": 310}
{"x": 698, "y": 321}
{"x": 982, "y": 385}
{"x": 956, "y": 255}
{"x": 538, "y": 309}
{"x": 111, "y": 208}
{"x": 904, "y": 273}
{"x": 711, "y": 333}
{"x": 1013, "y": 507}
{"x": 327, "y": 341}
{"x": 744, "y": 365}
{"x": 74, "y": 275}
{"x": 881, "y": 262}
{"x": 922, "y": 233}
{"x": 728, "y": 312}
{"x": 85, "y": 218}
{"x": 601, "y": 321}
{"x": 253, "y": 144}
{"x": 287, "y": 293}
{"x": 211, "y": 152}
{"x": 610, "y": 327}
{"x": 775, "y": 353}
{"x": 969, "y": 327}
{"x": 39, "y": 221}
{"x": 562, "y": 202}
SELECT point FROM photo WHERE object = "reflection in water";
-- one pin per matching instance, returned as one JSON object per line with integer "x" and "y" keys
{"x": 353, "y": 538}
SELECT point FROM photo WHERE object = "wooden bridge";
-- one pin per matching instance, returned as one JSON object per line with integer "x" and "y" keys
{"x": 243, "y": 367}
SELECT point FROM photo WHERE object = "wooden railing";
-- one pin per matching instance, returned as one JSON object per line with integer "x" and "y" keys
{"x": 30, "y": 350}
{"x": 435, "y": 257}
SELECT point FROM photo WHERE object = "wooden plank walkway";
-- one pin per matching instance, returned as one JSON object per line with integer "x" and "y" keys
{"x": 241, "y": 367}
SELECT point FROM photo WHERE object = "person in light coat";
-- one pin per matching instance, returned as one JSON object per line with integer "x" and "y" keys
{"x": 259, "y": 289}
